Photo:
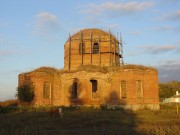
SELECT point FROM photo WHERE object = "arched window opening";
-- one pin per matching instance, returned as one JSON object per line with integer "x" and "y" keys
{"x": 74, "y": 90}
{"x": 95, "y": 48}
{"x": 47, "y": 90}
{"x": 123, "y": 89}
{"x": 81, "y": 48}
{"x": 94, "y": 89}
{"x": 139, "y": 90}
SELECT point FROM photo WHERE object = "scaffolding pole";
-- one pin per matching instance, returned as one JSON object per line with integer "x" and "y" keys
{"x": 81, "y": 48}
{"x": 118, "y": 49}
{"x": 69, "y": 53}
{"x": 99, "y": 50}
{"x": 114, "y": 53}
{"x": 91, "y": 46}
{"x": 121, "y": 44}
{"x": 110, "y": 59}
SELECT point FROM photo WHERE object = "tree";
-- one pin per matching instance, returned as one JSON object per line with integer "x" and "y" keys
{"x": 25, "y": 93}
{"x": 168, "y": 89}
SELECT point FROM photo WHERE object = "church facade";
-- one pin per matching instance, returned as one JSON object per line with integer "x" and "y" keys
{"x": 94, "y": 74}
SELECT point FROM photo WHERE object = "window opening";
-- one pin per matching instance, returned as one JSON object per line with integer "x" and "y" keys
{"x": 94, "y": 89}
{"x": 46, "y": 91}
{"x": 139, "y": 92}
{"x": 123, "y": 89}
{"x": 95, "y": 48}
{"x": 74, "y": 90}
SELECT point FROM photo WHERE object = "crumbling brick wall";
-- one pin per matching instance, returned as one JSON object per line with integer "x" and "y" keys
{"x": 108, "y": 87}
{"x": 132, "y": 87}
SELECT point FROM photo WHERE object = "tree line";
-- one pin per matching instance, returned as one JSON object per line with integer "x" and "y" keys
{"x": 168, "y": 89}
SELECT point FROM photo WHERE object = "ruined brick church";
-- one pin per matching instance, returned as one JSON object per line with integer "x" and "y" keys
{"x": 94, "y": 74}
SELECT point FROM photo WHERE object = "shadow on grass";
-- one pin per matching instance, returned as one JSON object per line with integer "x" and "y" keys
{"x": 88, "y": 121}
{"x": 107, "y": 120}
{"x": 79, "y": 121}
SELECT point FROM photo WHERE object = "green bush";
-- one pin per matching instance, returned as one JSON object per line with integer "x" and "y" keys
{"x": 25, "y": 93}
{"x": 8, "y": 109}
{"x": 168, "y": 89}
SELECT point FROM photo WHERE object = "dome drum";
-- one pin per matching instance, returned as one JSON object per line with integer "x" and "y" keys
{"x": 92, "y": 47}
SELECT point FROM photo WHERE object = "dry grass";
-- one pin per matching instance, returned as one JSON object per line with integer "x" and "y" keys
{"x": 82, "y": 121}
{"x": 9, "y": 103}
{"x": 93, "y": 68}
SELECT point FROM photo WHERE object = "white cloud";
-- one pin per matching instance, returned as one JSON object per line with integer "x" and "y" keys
{"x": 113, "y": 26}
{"x": 4, "y": 53}
{"x": 116, "y": 7}
{"x": 168, "y": 70}
{"x": 177, "y": 29}
{"x": 1, "y": 40}
{"x": 93, "y": 20}
{"x": 178, "y": 43}
{"x": 45, "y": 24}
{"x": 168, "y": 1}
{"x": 162, "y": 28}
{"x": 159, "y": 49}
{"x": 167, "y": 28}
{"x": 178, "y": 50}
{"x": 174, "y": 16}
{"x": 136, "y": 32}
{"x": 130, "y": 54}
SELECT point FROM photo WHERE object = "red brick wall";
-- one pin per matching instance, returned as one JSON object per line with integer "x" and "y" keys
{"x": 108, "y": 87}
{"x": 104, "y": 43}
{"x": 108, "y": 83}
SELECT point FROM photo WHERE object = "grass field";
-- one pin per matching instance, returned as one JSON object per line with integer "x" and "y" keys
{"x": 88, "y": 121}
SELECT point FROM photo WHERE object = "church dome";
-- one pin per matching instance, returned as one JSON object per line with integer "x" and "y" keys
{"x": 94, "y": 31}
{"x": 91, "y": 47}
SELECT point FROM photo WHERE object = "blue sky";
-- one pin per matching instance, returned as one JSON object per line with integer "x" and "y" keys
{"x": 33, "y": 33}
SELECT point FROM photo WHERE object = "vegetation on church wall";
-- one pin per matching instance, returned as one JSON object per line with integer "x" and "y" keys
{"x": 168, "y": 89}
{"x": 93, "y": 68}
{"x": 25, "y": 93}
